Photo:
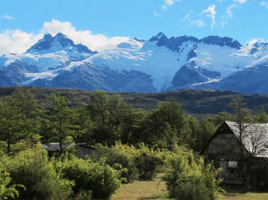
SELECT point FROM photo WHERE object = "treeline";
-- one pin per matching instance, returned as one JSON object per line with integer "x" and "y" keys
{"x": 131, "y": 144}
{"x": 106, "y": 120}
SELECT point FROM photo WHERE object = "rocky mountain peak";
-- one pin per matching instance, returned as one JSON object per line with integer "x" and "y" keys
{"x": 58, "y": 42}
{"x": 221, "y": 41}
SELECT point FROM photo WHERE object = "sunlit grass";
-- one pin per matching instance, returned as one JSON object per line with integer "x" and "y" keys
{"x": 141, "y": 190}
{"x": 146, "y": 190}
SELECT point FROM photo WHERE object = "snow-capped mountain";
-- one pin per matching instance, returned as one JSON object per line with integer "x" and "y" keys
{"x": 158, "y": 64}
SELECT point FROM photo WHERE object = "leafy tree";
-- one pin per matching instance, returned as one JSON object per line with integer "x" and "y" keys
{"x": 132, "y": 126}
{"x": 261, "y": 116}
{"x": 190, "y": 133}
{"x": 244, "y": 121}
{"x": 82, "y": 124}
{"x": 98, "y": 107}
{"x": 165, "y": 123}
{"x": 10, "y": 122}
{"x": 59, "y": 117}
{"x": 221, "y": 117}
{"x": 205, "y": 131}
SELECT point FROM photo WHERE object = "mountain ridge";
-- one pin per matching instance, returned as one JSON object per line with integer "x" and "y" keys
{"x": 153, "y": 65}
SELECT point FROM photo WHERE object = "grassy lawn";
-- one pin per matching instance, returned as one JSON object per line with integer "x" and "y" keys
{"x": 247, "y": 196}
{"x": 233, "y": 194}
{"x": 143, "y": 190}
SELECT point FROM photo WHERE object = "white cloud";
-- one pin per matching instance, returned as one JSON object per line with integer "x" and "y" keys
{"x": 7, "y": 17}
{"x": 240, "y": 1}
{"x": 229, "y": 10}
{"x": 265, "y": 4}
{"x": 255, "y": 40}
{"x": 188, "y": 15}
{"x": 198, "y": 23}
{"x": 97, "y": 42}
{"x": 155, "y": 13}
{"x": 170, "y": 2}
{"x": 164, "y": 7}
{"x": 212, "y": 14}
{"x": 17, "y": 41}
{"x": 229, "y": 14}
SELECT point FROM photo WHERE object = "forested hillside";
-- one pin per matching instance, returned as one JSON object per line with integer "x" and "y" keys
{"x": 196, "y": 102}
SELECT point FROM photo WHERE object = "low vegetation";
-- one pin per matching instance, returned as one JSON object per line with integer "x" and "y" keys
{"x": 132, "y": 145}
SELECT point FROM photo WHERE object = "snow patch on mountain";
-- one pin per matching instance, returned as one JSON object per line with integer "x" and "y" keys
{"x": 225, "y": 59}
{"x": 159, "y": 62}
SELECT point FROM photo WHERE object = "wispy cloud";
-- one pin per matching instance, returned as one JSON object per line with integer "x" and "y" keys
{"x": 265, "y": 4}
{"x": 17, "y": 41}
{"x": 198, "y": 23}
{"x": 7, "y": 17}
{"x": 155, "y": 13}
{"x": 228, "y": 15}
{"x": 188, "y": 15}
{"x": 211, "y": 10}
{"x": 240, "y": 1}
{"x": 170, "y": 2}
{"x": 229, "y": 10}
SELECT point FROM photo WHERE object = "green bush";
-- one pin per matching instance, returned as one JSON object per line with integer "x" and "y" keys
{"x": 97, "y": 177}
{"x": 187, "y": 178}
{"x": 120, "y": 154}
{"x": 7, "y": 190}
{"x": 32, "y": 169}
{"x": 139, "y": 163}
{"x": 147, "y": 162}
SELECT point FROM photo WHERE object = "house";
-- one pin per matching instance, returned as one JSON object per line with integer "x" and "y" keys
{"x": 241, "y": 151}
{"x": 82, "y": 150}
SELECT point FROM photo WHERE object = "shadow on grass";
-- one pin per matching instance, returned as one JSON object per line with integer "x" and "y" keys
{"x": 238, "y": 190}
{"x": 152, "y": 197}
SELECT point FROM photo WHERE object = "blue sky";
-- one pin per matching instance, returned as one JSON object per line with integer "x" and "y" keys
{"x": 102, "y": 24}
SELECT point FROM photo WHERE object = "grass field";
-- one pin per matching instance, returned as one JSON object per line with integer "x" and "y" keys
{"x": 146, "y": 190}
{"x": 141, "y": 190}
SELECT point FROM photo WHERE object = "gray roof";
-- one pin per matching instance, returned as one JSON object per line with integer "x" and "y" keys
{"x": 56, "y": 146}
{"x": 254, "y": 136}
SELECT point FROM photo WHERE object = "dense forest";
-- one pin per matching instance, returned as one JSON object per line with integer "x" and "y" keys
{"x": 131, "y": 143}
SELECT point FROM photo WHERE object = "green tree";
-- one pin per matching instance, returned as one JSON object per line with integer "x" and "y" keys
{"x": 82, "y": 124}
{"x": 244, "y": 120}
{"x": 132, "y": 125}
{"x": 59, "y": 117}
{"x": 190, "y": 133}
{"x": 98, "y": 107}
{"x": 165, "y": 123}
{"x": 261, "y": 116}
{"x": 10, "y": 122}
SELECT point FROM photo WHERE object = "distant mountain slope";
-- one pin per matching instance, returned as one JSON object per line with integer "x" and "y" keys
{"x": 153, "y": 65}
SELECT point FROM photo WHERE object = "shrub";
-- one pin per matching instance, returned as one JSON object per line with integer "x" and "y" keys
{"x": 147, "y": 162}
{"x": 120, "y": 154}
{"x": 187, "y": 179}
{"x": 7, "y": 190}
{"x": 32, "y": 169}
{"x": 97, "y": 177}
